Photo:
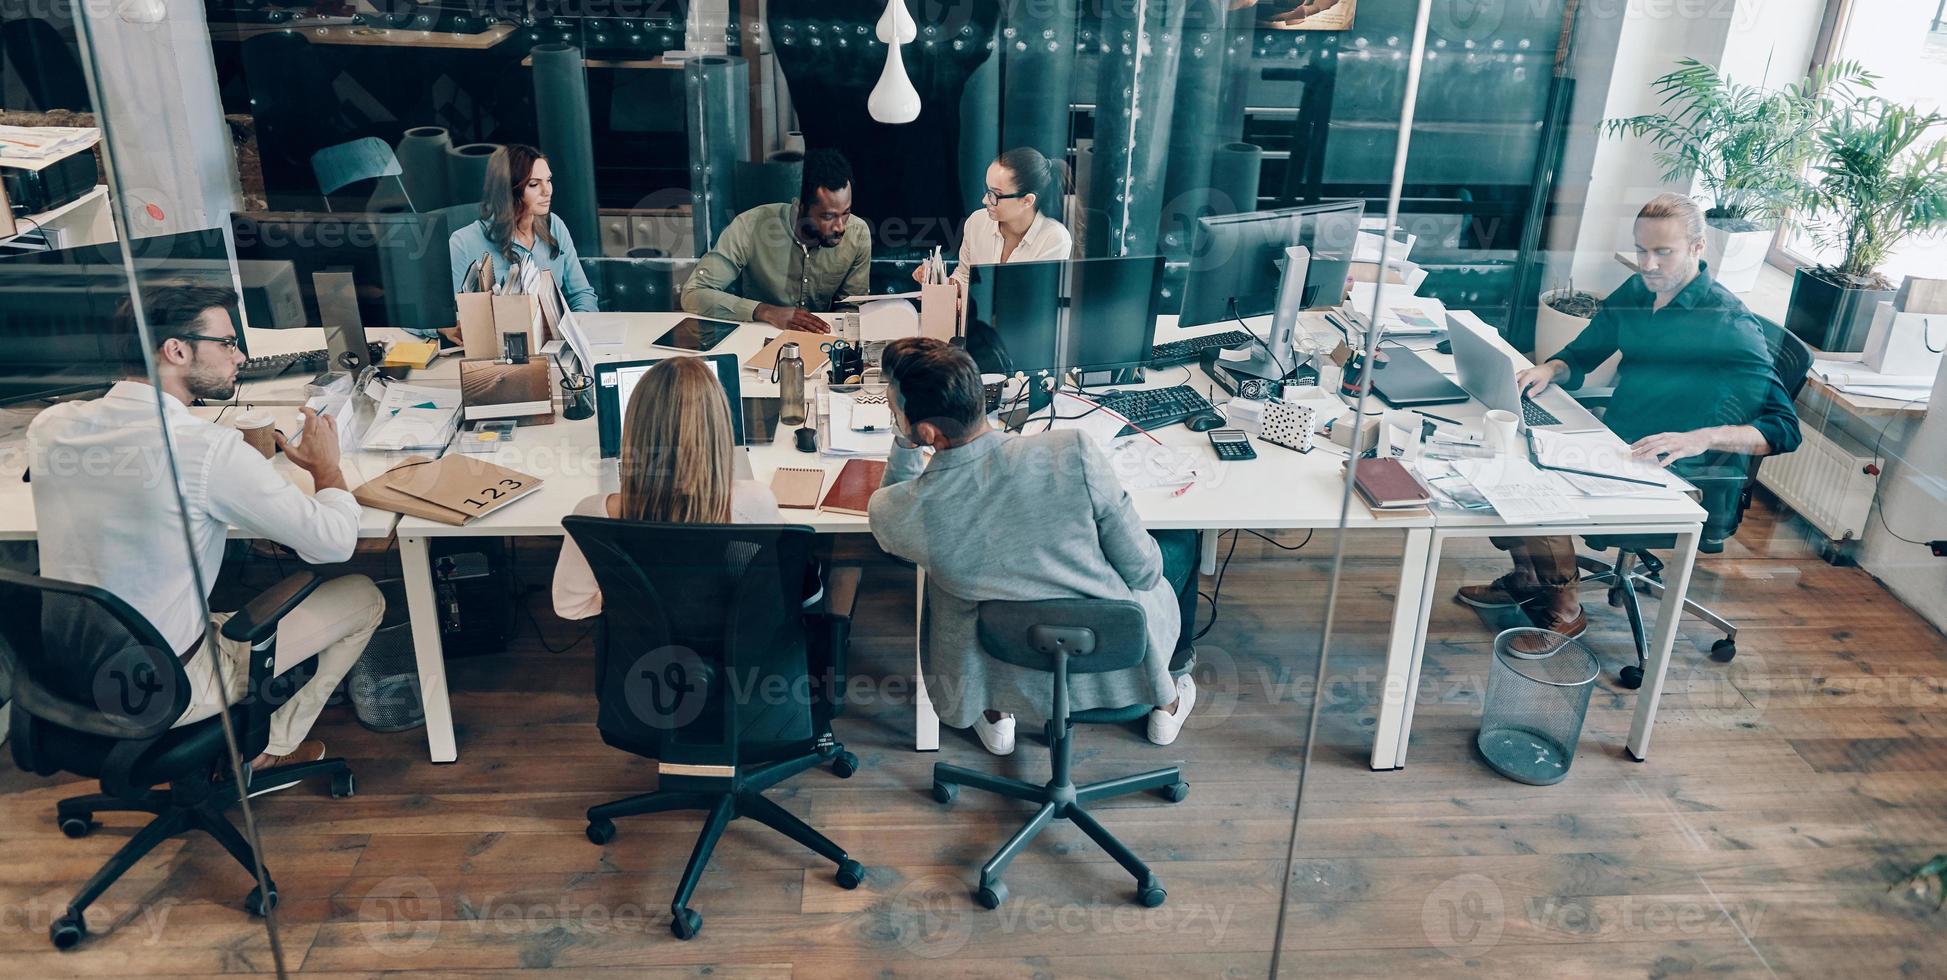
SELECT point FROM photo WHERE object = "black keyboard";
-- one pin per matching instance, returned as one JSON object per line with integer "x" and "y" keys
{"x": 1153, "y": 408}
{"x": 1184, "y": 351}
{"x": 1533, "y": 414}
{"x": 300, "y": 362}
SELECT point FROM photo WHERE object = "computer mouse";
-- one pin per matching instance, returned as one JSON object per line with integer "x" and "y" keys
{"x": 1443, "y": 347}
{"x": 1204, "y": 422}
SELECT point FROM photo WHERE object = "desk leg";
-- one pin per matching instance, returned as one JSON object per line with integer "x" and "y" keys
{"x": 417, "y": 565}
{"x": 1403, "y": 650}
{"x": 926, "y": 724}
{"x": 1207, "y": 547}
{"x": 1669, "y": 613}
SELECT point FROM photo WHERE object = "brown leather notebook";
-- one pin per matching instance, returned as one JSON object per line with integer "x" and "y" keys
{"x": 1386, "y": 484}
{"x": 852, "y": 491}
{"x": 797, "y": 486}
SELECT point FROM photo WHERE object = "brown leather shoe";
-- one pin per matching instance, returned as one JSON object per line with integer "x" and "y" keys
{"x": 1502, "y": 593}
{"x": 1540, "y": 643}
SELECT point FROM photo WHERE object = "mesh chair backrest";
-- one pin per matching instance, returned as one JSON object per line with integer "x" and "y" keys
{"x": 1025, "y": 634}
{"x": 703, "y": 652}
{"x": 81, "y": 659}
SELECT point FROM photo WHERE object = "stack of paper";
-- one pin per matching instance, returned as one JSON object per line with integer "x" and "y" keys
{"x": 1403, "y": 314}
{"x": 1598, "y": 462}
{"x": 841, "y": 440}
{"x": 1521, "y": 493}
{"x": 1854, "y": 377}
{"x": 414, "y": 417}
{"x": 34, "y": 147}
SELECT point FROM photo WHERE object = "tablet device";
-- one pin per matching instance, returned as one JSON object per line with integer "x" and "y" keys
{"x": 696, "y": 333}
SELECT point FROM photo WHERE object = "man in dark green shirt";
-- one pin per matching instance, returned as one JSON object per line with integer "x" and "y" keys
{"x": 780, "y": 263}
{"x": 1696, "y": 391}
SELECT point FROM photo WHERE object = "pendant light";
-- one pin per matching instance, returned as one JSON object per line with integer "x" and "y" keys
{"x": 894, "y": 100}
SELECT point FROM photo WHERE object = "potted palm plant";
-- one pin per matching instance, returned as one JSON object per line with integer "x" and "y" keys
{"x": 1881, "y": 179}
{"x": 1746, "y": 146}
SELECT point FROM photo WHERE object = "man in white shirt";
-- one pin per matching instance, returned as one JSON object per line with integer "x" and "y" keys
{"x": 110, "y": 516}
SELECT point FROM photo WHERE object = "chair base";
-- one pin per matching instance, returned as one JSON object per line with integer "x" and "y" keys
{"x": 1645, "y": 575}
{"x": 178, "y": 809}
{"x": 724, "y": 800}
{"x": 1060, "y": 799}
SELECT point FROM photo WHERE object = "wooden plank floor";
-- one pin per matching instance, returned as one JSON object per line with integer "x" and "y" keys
{"x": 1783, "y": 794}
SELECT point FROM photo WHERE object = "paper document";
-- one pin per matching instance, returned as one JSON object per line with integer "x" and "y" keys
{"x": 1402, "y": 314}
{"x": 888, "y": 319}
{"x": 839, "y": 437}
{"x": 1143, "y": 465}
{"x": 414, "y": 417}
{"x": 1596, "y": 454}
{"x": 1520, "y": 493}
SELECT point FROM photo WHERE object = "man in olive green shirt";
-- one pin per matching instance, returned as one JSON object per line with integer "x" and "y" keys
{"x": 789, "y": 260}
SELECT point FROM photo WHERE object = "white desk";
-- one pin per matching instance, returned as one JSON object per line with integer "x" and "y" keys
{"x": 17, "y": 521}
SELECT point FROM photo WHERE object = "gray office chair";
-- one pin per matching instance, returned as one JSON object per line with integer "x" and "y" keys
{"x": 1063, "y": 636}
{"x": 347, "y": 164}
{"x": 1725, "y": 498}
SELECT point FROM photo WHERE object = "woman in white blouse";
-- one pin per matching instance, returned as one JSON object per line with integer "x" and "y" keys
{"x": 1011, "y": 228}
{"x": 677, "y": 465}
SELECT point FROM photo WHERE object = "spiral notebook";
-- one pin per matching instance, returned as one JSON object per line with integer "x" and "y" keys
{"x": 797, "y": 486}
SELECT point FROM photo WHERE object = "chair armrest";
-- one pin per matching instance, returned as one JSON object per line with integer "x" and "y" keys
{"x": 842, "y": 591}
{"x": 258, "y": 619}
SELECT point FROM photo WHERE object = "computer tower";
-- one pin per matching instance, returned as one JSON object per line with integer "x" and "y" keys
{"x": 474, "y": 594}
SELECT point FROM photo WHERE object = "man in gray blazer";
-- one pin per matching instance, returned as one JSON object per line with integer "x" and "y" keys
{"x": 996, "y": 516}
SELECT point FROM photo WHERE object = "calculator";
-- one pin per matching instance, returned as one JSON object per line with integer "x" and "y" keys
{"x": 1232, "y": 445}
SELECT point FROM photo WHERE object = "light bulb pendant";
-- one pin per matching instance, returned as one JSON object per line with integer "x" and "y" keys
{"x": 893, "y": 100}
{"x": 896, "y": 21}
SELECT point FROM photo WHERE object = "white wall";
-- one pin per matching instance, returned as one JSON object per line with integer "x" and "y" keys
{"x": 1754, "y": 41}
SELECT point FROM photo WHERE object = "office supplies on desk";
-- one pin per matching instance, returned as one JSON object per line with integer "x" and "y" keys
{"x": 852, "y": 490}
{"x": 1184, "y": 351}
{"x": 1286, "y": 425}
{"x": 1501, "y": 431}
{"x": 1595, "y": 454}
{"x": 843, "y": 440}
{"x": 1140, "y": 464}
{"x": 1520, "y": 492}
{"x": 1153, "y": 408}
{"x": 410, "y": 354}
{"x": 413, "y": 417}
{"x": 296, "y": 363}
{"x": 813, "y": 347}
{"x": 503, "y": 390}
{"x": 1386, "y": 484}
{"x": 797, "y": 486}
{"x": 1231, "y": 445}
{"x": 486, "y": 437}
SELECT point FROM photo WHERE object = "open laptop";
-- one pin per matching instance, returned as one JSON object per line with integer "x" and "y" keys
{"x": 1487, "y": 372}
{"x": 615, "y": 381}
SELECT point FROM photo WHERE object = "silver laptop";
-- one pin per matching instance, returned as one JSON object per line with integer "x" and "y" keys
{"x": 1487, "y": 373}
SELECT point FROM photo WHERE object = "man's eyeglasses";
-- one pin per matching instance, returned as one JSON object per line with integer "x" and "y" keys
{"x": 230, "y": 342}
{"x": 994, "y": 197}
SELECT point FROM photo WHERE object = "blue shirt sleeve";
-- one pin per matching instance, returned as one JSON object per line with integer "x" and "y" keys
{"x": 568, "y": 271}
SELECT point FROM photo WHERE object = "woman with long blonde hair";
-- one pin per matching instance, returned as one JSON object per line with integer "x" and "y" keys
{"x": 678, "y": 467}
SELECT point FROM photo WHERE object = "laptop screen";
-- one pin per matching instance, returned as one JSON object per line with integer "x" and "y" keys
{"x": 615, "y": 381}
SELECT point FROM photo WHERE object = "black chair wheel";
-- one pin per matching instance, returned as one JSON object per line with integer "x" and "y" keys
{"x": 1150, "y": 893}
{"x": 850, "y": 873}
{"x": 845, "y": 765}
{"x": 1630, "y": 677}
{"x": 67, "y": 932}
{"x": 255, "y": 903}
{"x": 945, "y": 792}
{"x": 1175, "y": 792}
{"x": 991, "y": 896}
{"x": 686, "y": 924}
{"x": 343, "y": 785}
{"x": 78, "y": 825}
{"x": 601, "y": 831}
{"x": 1723, "y": 651}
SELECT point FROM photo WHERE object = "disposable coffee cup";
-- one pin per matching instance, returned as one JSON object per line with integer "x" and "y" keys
{"x": 1501, "y": 429}
{"x": 257, "y": 429}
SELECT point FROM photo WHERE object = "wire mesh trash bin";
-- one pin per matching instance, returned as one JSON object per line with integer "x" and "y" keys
{"x": 1535, "y": 704}
{"x": 384, "y": 684}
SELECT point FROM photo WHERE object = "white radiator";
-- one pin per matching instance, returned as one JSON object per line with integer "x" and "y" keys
{"x": 1825, "y": 482}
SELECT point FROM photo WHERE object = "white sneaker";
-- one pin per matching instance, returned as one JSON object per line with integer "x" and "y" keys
{"x": 998, "y": 736}
{"x": 1164, "y": 726}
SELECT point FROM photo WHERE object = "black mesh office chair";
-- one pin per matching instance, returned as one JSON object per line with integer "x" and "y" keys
{"x": 95, "y": 693}
{"x": 701, "y": 626}
{"x": 1063, "y": 637}
{"x": 1726, "y": 496}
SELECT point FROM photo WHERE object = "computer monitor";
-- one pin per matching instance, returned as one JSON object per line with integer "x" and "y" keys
{"x": 59, "y": 334}
{"x": 1235, "y": 259}
{"x": 1087, "y": 314}
{"x": 615, "y": 381}
{"x": 397, "y": 263}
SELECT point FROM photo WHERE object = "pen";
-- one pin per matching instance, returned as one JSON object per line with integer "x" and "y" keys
{"x": 1436, "y": 418}
{"x": 1602, "y": 476}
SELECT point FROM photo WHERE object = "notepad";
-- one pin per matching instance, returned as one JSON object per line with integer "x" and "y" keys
{"x": 797, "y": 486}
{"x": 852, "y": 491}
{"x": 412, "y": 354}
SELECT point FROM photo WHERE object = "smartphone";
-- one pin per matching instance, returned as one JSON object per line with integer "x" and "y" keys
{"x": 1232, "y": 445}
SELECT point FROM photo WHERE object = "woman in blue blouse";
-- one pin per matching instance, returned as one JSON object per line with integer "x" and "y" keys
{"x": 516, "y": 224}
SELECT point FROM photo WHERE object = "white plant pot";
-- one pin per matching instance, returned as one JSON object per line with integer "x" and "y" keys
{"x": 1736, "y": 256}
{"x": 1553, "y": 331}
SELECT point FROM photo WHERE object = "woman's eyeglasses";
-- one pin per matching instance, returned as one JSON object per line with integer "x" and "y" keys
{"x": 994, "y": 197}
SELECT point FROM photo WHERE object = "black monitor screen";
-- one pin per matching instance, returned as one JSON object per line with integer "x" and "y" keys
{"x": 1235, "y": 261}
{"x": 1112, "y": 311}
{"x": 1015, "y": 317}
{"x": 58, "y": 328}
{"x": 615, "y": 381}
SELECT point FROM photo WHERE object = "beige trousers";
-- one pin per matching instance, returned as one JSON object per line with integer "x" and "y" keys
{"x": 332, "y": 624}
